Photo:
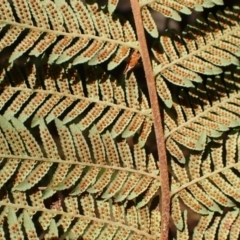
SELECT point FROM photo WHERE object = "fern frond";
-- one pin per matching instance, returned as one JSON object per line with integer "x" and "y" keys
{"x": 210, "y": 181}
{"x": 95, "y": 178}
{"x": 170, "y": 9}
{"x": 79, "y": 33}
{"x": 182, "y": 5}
{"x": 201, "y": 113}
{"x": 53, "y": 143}
{"x": 203, "y": 49}
{"x": 100, "y": 171}
{"x": 212, "y": 226}
{"x": 93, "y": 224}
{"x": 77, "y": 157}
{"x": 63, "y": 90}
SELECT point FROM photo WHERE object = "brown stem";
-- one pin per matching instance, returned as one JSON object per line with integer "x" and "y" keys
{"x": 158, "y": 128}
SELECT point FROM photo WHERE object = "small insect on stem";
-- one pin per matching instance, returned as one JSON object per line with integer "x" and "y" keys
{"x": 132, "y": 62}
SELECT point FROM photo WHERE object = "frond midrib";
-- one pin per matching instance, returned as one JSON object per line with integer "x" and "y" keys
{"x": 104, "y": 221}
{"x": 146, "y": 113}
{"x": 84, "y": 164}
{"x": 216, "y": 105}
{"x": 73, "y": 35}
{"x": 205, "y": 176}
{"x": 158, "y": 69}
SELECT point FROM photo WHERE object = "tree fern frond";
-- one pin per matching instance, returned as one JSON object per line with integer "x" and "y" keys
{"x": 211, "y": 179}
{"x": 78, "y": 157}
{"x": 70, "y": 172}
{"x": 51, "y": 98}
{"x": 67, "y": 180}
{"x": 208, "y": 225}
{"x": 45, "y": 153}
{"x": 92, "y": 224}
{"x": 203, "y": 48}
{"x": 200, "y": 113}
{"x": 91, "y": 36}
{"x": 171, "y": 9}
